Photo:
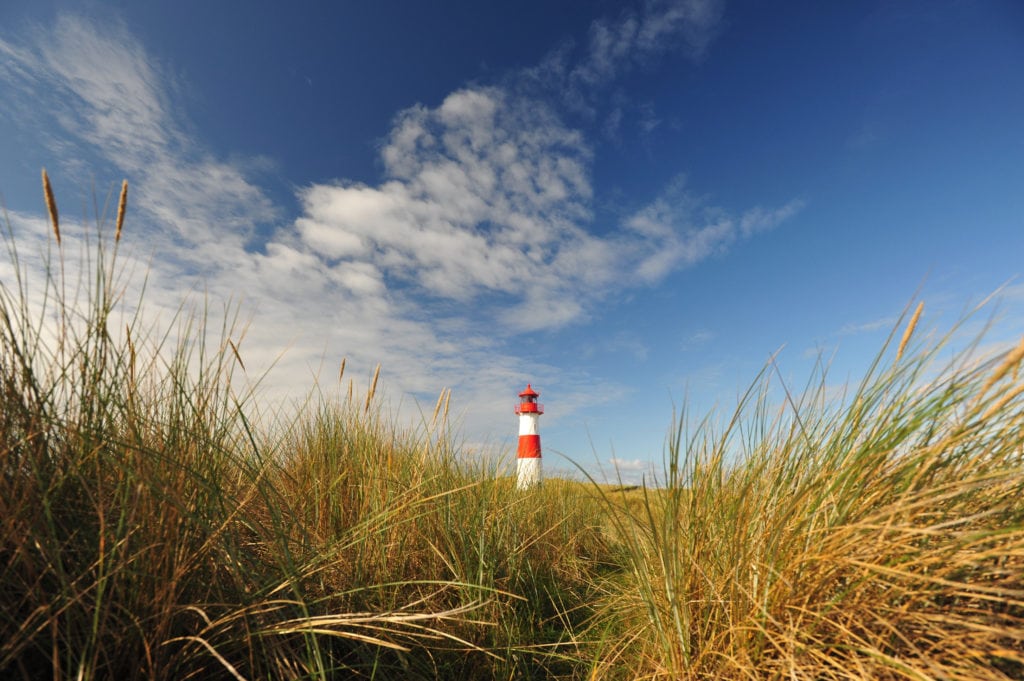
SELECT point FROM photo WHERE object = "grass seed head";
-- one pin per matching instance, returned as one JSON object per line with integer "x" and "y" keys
{"x": 437, "y": 407}
{"x": 121, "y": 205}
{"x": 234, "y": 349}
{"x": 1013, "y": 358}
{"x": 1002, "y": 401}
{"x": 51, "y": 205}
{"x": 373, "y": 388}
{"x": 910, "y": 330}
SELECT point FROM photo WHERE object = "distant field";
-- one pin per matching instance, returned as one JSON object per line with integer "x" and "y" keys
{"x": 150, "y": 528}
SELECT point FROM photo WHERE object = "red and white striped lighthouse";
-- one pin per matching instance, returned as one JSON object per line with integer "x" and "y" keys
{"x": 528, "y": 462}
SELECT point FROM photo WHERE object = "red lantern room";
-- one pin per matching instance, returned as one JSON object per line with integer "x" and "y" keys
{"x": 528, "y": 402}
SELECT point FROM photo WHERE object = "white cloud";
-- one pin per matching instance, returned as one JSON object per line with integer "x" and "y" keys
{"x": 617, "y": 345}
{"x": 880, "y": 324}
{"x": 697, "y": 21}
{"x": 486, "y": 194}
{"x": 489, "y": 194}
{"x": 630, "y": 464}
{"x": 631, "y": 472}
{"x": 698, "y": 339}
{"x": 117, "y": 99}
{"x": 683, "y": 230}
{"x": 192, "y": 217}
{"x": 760, "y": 219}
{"x": 616, "y": 45}
{"x": 102, "y": 88}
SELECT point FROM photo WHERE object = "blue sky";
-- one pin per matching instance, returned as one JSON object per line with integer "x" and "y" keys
{"x": 628, "y": 205}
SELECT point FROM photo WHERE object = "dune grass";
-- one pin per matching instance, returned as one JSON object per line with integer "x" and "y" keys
{"x": 881, "y": 538}
{"x": 152, "y": 527}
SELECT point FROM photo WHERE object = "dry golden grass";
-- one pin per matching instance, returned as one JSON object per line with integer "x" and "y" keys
{"x": 880, "y": 540}
{"x": 151, "y": 528}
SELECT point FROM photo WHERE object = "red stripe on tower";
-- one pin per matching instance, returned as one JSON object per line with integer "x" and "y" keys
{"x": 528, "y": 459}
{"x": 529, "y": 447}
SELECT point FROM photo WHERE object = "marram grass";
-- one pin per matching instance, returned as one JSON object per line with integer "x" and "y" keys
{"x": 151, "y": 527}
{"x": 882, "y": 538}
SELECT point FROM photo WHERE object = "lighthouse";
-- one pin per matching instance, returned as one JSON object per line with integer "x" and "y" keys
{"x": 528, "y": 462}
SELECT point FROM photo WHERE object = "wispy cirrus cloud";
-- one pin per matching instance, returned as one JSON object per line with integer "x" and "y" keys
{"x": 112, "y": 99}
{"x": 880, "y": 324}
{"x": 686, "y": 230}
{"x": 638, "y": 34}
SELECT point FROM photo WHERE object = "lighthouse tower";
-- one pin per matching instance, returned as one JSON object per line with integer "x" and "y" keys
{"x": 528, "y": 463}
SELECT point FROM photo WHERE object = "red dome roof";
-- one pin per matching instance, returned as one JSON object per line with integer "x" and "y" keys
{"x": 529, "y": 392}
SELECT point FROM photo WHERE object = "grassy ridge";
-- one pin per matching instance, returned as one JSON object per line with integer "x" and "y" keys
{"x": 149, "y": 528}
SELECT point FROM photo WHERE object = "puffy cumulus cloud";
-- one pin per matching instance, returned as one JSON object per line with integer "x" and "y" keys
{"x": 489, "y": 194}
{"x": 486, "y": 193}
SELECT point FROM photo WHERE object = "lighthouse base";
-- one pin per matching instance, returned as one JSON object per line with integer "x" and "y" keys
{"x": 528, "y": 472}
